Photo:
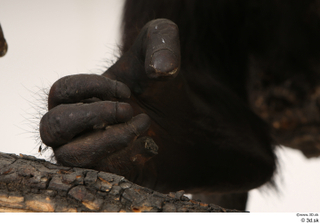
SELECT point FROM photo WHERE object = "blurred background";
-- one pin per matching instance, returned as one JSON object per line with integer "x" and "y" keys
{"x": 51, "y": 39}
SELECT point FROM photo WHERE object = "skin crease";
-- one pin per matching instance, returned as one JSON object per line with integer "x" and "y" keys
{"x": 186, "y": 89}
{"x": 176, "y": 119}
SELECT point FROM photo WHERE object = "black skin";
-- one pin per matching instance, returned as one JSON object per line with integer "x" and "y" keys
{"x": 188, "y": 92}
{"x": 165, "y": 107}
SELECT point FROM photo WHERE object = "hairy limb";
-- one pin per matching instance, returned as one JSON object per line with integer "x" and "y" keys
{"x": 87, "y": 127}
{"x": 209, "y": 141}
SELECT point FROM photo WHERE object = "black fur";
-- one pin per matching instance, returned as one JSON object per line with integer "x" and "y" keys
{"x": 249, "y": 69}
{"x": 224, "y": 43}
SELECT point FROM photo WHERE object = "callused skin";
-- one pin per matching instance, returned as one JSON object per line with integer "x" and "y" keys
{"x": 95, "y": 121}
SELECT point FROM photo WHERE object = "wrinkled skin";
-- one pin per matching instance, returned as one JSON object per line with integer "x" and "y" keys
{"x": 260, "y": 54}
{"x": 93, "y": 121}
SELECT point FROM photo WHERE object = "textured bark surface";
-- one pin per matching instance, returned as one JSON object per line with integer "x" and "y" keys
{"x": 28, "y": 184}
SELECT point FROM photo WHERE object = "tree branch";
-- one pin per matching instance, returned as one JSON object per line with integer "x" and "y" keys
{"x": 28, "y": 184}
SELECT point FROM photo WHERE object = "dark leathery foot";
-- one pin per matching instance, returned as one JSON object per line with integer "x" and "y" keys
{"x": 155, "y": 55}
{"x": 89, "y": 149}
{"x": 62, "y": 123}
{"x": 76, "y": 88}
{"x": 130, "y": 161}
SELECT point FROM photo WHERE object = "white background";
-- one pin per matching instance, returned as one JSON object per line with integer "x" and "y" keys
{"x": 50, "y": 39}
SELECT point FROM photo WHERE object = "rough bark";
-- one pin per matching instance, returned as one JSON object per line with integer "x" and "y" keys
{"x": 28, "y": 184}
